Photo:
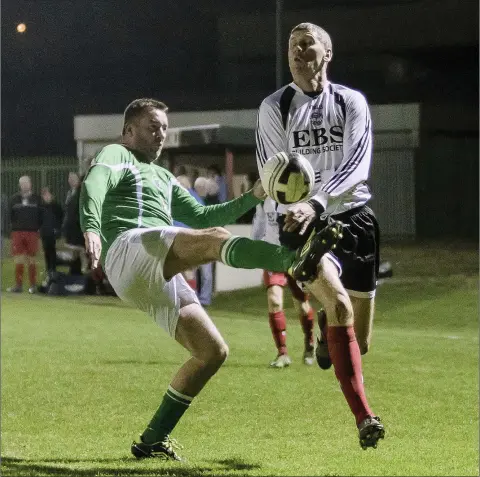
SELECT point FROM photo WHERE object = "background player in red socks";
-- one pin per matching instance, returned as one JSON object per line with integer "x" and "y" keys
{"x": 265, "y": 227}
{"x": 25, "y": 219}
{"x": 330, "y": 125}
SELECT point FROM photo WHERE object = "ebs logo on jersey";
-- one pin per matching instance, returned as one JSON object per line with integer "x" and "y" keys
{"x": 316, "y": 116}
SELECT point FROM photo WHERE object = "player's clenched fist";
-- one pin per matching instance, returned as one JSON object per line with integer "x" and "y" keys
{"x": 93, "y": 246}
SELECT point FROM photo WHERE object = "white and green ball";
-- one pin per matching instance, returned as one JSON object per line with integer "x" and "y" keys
{"x": 288, "y": 178}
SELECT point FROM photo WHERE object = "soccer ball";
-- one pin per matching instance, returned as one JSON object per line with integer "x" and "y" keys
{"x": 288, "y": 178}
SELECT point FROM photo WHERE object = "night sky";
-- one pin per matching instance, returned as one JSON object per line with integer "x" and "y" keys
{"x": 74, "y": 59}
{"x": 95, "y": 56}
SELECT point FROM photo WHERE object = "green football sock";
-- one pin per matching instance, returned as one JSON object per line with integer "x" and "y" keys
{"x": 241, "y": 252}
{"x": 173, "y": 407}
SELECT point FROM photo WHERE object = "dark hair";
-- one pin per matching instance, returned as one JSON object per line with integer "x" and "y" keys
{"x": 181, "y": 171}
{"x": 138, "y": 106}
{"x": 215, "y": 168}
{"x": 322, "y": 36}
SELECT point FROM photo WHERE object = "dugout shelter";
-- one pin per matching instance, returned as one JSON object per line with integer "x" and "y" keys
{"x": 227, "y": 138}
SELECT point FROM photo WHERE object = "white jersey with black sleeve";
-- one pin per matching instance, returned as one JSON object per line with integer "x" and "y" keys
{"x": 332, "y": 130}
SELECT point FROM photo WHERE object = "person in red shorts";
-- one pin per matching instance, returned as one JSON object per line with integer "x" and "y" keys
{"x": 25, "y": 218}
{"x": 265, "y": 227}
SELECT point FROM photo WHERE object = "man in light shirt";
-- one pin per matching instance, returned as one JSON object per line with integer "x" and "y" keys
{"x": 330, "y": 125}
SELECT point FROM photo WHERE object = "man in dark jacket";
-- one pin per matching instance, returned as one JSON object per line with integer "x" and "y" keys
{"x": 50, "y": 229}
{"x": 71, "y": 230}
{"x": 25, "y": 218}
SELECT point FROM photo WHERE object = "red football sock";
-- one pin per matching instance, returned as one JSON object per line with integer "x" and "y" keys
{"x": 347, "y": 361}
{"x": 306, "y": 319}
{"x": 278, "y": 325}
{"x": 32, "y": 274}
{"x": 19, "y": 274}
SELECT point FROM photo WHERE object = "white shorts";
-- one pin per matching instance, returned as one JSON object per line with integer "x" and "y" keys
{"x": 134, "y": 267}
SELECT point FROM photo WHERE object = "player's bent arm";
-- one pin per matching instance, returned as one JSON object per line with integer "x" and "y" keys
{"x": 187, "y": 210}
{"x": 270, "y": 134}
{"x": 107, "y": 170}
{"x": 92, "y": 195}
{"x": 357, "y": 148}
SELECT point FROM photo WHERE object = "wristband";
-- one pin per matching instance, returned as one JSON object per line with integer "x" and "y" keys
{"x": 317, "y": 207}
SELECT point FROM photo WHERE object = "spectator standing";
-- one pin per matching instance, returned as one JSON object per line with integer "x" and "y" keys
{"x": 25, "y": 219}
{"x": 52, "y": 216}
{"x": 182, "y": 176}
{"x": 71, "y": 230}
{"x": 214, "y": 173}
{"x": 195, "y": 175}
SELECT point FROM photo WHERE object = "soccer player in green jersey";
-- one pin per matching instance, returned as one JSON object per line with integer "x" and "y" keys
{"x": 126, "y": 208}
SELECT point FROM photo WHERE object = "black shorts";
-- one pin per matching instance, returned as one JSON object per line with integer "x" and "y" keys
{"x": 356, "y": 254}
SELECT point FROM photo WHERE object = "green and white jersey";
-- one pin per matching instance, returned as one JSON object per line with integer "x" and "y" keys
{"x": 123, "y": 191}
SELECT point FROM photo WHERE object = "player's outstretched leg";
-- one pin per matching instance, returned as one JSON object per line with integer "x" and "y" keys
{"x": 192, "y": 248}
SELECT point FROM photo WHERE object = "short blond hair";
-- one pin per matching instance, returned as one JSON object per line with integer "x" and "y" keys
{"x": 322, "y": 36}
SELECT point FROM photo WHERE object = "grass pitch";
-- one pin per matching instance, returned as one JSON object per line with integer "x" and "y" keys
{"x": 81, "y": 377}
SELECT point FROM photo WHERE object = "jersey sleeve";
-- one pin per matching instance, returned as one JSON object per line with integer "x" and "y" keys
{"x": 105, "y": 173}
{"x": 259, "y": 223}
{"x": 187, "y": 210}
{"x": 357, "y": 148}
{"x": 270, "y": 135}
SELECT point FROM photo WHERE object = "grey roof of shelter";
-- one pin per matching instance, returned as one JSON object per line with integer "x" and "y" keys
{"x": 211, "y": 135}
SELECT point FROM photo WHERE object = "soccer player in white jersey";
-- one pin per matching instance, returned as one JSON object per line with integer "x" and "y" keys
{"x": 330, "y": 125}
{"x": 126, "y": 208}
{"x": 265, "y": 227}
